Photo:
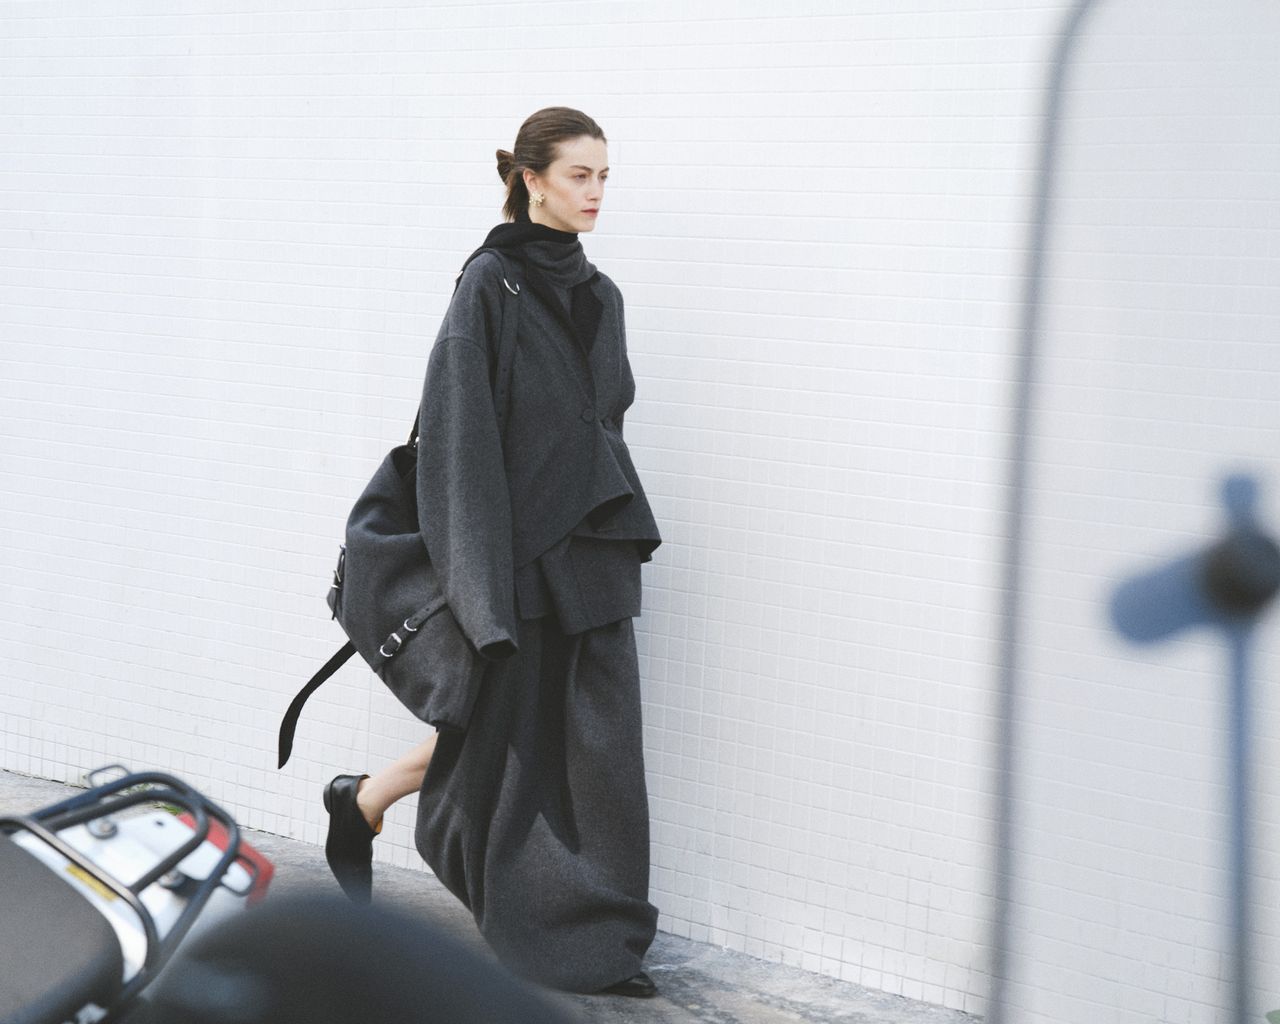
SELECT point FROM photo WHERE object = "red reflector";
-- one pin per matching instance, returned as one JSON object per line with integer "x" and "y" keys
{"x": 254, "y": 862}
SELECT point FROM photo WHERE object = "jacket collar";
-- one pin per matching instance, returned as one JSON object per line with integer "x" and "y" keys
{"x": 549, "y": 258}
{"x": 584, "y": 321}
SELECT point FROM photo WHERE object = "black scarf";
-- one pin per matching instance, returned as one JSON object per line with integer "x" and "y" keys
{"x": 554, "y": 263}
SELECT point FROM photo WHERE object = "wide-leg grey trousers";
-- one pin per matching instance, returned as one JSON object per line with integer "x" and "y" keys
{"x": 537, "y": 817}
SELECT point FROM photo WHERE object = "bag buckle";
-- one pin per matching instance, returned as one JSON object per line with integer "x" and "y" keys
{"x": 394, "y": 637}
{"x": 337, "y": 571}
{"x": 397, "y": 640}
{"x": 335, "y": 588}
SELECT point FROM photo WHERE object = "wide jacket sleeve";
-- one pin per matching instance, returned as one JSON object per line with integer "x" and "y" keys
{"x": 627, "y": 391}
{"x": 464, "y": 507}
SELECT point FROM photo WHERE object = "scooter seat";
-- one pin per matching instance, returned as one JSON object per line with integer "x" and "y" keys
{"x": 60, "y": 953}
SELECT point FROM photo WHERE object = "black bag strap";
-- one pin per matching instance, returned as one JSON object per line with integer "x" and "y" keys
{"x": 289, "y": 723}
{"x": 501, "y": 381}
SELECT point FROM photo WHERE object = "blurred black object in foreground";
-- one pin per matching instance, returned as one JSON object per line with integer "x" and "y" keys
{"x": 324, "y": 960}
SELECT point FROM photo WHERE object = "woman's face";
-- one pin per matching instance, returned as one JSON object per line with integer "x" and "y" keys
{"x": 573, "y": 185}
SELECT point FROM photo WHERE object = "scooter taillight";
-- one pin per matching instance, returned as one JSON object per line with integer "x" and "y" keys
{"x": 260, "y": 869}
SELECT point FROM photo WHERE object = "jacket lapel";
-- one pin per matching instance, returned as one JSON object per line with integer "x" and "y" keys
{"x": 541, "y": 289}
{"x": 551, "y": 300}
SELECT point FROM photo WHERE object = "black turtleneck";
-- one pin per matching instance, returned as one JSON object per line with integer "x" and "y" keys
{"x": 512, "y": 234}
{"x": 556, "y": 268}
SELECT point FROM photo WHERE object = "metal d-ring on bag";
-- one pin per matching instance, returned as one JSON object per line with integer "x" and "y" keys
{"x": 385, "y": 593}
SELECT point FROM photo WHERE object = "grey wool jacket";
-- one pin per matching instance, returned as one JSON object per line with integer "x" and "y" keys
{"x": 491, "y": 506}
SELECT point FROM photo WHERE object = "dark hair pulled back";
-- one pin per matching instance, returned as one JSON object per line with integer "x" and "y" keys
{"x": 536, "y": 150}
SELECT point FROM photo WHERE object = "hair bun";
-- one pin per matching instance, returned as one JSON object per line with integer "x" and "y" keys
{"x": 506, "y": 160}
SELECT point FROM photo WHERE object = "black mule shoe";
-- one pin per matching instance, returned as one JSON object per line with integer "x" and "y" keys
{"x": 349, "y": 845}
{"x": 639, "y": 986}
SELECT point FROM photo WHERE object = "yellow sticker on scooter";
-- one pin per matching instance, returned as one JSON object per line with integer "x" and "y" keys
{"x": 82, "y": 876}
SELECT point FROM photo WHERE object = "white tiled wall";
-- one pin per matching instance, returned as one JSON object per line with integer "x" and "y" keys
{"x": 227, "y": 235}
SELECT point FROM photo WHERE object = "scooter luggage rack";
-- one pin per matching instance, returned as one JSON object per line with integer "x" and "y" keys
{"x": 101, "y": 802}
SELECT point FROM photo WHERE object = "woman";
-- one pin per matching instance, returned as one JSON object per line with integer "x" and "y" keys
{"x": 535, "y": 815}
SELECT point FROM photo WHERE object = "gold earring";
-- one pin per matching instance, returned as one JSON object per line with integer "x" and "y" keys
{"x": 536, "y": 198}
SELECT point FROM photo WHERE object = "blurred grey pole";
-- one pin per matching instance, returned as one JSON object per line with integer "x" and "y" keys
{"x": 1019, "y": 455}
{"x": 1241, "y": 831}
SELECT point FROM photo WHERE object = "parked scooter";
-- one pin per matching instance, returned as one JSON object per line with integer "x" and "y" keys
{"x": 97, "y": 891}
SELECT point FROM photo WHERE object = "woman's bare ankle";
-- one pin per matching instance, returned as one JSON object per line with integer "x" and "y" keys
{"x": 362, "y": 802}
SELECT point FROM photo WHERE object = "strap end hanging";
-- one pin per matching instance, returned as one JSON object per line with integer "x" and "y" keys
{"x": 289, "y": 723}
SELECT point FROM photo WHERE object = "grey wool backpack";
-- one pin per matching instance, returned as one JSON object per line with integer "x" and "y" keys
{"x": 385, "y": 593}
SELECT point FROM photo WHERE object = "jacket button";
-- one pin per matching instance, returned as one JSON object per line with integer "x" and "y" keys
{"x": 588, "y": 414}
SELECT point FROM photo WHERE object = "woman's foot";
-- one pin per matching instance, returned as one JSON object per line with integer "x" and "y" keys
{"x": 349, "y": 845}
{"x": 640, "y": 986}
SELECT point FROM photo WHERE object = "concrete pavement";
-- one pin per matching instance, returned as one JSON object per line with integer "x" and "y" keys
{"x": 698, "y": 983}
